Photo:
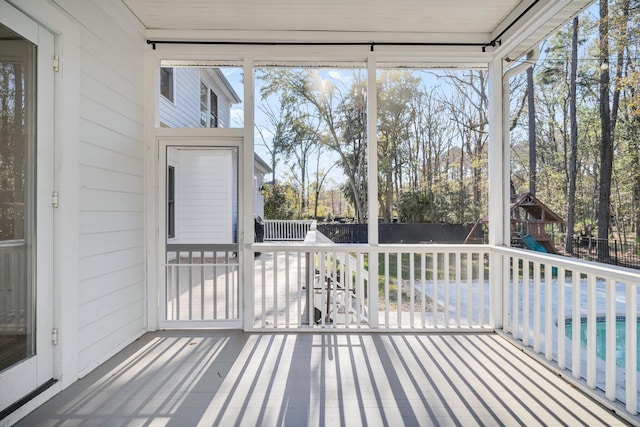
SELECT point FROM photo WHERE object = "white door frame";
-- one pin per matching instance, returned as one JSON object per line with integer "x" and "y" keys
{"x": 221, "y": 138}
{"x": 29, "y": 374}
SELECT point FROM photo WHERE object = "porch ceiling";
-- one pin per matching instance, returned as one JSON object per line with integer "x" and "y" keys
{"x": 382, "y": 21}
{"x": 398, "y": 16}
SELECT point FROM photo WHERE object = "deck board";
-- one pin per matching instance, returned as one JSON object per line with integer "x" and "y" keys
{"x": 189, "y": 378}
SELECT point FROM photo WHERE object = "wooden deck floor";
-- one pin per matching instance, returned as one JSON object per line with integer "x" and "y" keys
{"x": 231, "y": 378}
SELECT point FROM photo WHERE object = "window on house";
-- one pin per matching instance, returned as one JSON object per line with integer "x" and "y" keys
{"x": 204, "y": 104}
{"x": 213, "y": 109}
{"x": 166, "y": 82}
{"x": 171, "y": 202}
{"x": 208, "y": 107}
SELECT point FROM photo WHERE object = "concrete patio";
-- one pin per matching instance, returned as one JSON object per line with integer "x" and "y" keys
{"x": 189, "y": 378}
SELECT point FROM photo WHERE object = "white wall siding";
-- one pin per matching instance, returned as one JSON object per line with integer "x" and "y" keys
{"x": 204, "y": 196}
{"x": 111, "y": 292}
{"x": 184, "y": 111}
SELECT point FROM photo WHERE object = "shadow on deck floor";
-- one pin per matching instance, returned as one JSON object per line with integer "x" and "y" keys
{"x": 232, "y": 378}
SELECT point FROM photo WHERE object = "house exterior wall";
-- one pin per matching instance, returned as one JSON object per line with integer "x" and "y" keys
{"x": 111, "y": 262}
{"x": 184, "y": 110}
{"x": 206, "y": 206}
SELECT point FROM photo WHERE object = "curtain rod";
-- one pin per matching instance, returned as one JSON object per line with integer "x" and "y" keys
{"x": 371, "y": 44}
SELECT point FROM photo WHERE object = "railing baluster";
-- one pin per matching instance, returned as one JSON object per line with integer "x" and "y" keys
{"x": 610, "y": 332}
{"x": 576, "y": 321}
{"x": 190, "y": 276}
{"x": 412, "y": 299}
{"x": 446, "y": 289}
{"x": 275, "y": 289}
{"x": 263, "y": 315}
{"x": 359, "y": 289}
{"x": 470, "y": 290}
{"x": 591, "y": 331}
{"x": 335, "y": 282}
{"x": 286, "y": 290}
{"x": 386, "y": 289}
{"x": 515, "y": 309}
{"x": 434, "y": 280}
{"x": 226, "y": 286}
{"x": 399, "y": 290}
{"x": 177, "y": 268}
{"x": 423, "y": 292}
{"x": 548, "y": 312}
{"x": 507, "y": 286}
{"x": 299, "y": 289}
{"x": 526, "y": 309}
{"x": 215, "y": 285}
{"x": 202, "y": 286}
{"x": 562, "y": 358}
{"x": 311, "y": 284}
{"x": 458, "y": 288}
{"x": 631, "y": 349}
{"x": 536, "y": 307}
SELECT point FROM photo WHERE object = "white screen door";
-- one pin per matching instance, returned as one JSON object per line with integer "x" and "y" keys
{"x": 201, "y": 257}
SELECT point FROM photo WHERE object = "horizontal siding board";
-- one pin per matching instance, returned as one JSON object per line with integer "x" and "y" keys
{"x": 99, "y": 265}
{"x": 110, "y": 222}
{"x": 98, "y": 287}
{"x": 99, "y": 338}
{"x": 91, "y": 155}
{"x": 102, "y": 179}
{"x": 95, "y": 89}
{"x": 100, "y": 136}
{"x": 124, "y": 88}
{"x": 98, "y": 200}
{"x": 109, "y": 117}
{"x": 94, "y": 310}
{"x": 104, "y": 243}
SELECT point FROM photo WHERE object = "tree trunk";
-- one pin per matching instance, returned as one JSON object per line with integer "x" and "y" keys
{"x": 571, "y": 199}
{"x": 606, "y": 140}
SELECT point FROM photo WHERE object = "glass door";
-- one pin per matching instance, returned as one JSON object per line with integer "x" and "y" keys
{"x": 26, "y": 219}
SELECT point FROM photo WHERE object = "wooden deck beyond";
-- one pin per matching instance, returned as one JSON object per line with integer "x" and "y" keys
{"x": 227, "y": 378}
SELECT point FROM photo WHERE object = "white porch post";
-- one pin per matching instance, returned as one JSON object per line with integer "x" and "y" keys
{"x": 372, "y": 187}
{"x": 498, "y": 189}
{"x": 246, "y": 186}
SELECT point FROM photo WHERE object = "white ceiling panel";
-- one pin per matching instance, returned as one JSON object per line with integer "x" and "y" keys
{"x": 389, "y": 16}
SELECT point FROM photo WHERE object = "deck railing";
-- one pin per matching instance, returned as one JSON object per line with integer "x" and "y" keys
{"x": 581, "y": 316}
{"x": 286, "y": 230}
{"x": 359, "y": 286}
{"x": 202, "y": 282}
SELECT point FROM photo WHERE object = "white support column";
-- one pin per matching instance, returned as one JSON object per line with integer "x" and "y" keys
{"x": 245, "y": 183}
{"x": 498, "y": 188}
{"x": 372, "y": 186}
{"x": 152, "y": 186}
{"x": 372, "y": 146}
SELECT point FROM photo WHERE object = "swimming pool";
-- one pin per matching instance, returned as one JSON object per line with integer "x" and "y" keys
{"x": 601, "y": 338}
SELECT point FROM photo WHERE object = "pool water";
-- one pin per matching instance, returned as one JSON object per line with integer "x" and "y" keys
{"x": 601, "y": 339}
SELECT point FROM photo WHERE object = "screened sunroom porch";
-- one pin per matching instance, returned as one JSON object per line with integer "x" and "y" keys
{"x": 111, "y": 252}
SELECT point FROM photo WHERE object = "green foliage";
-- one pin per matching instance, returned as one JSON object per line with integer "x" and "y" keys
{"x": 276, "y": 203}
{"x": 414, "y": 206}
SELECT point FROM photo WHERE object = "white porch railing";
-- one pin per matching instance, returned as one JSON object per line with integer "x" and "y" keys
{"x": 328, "y": 285}
{"x": 562, "y": 308}
{"x": 581, "y": 315}
{"x": 286, "y": 230}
